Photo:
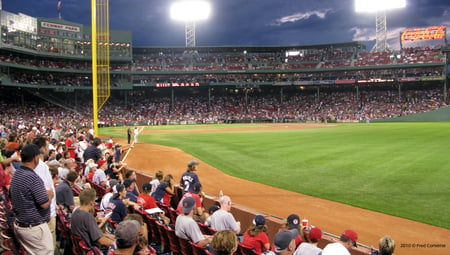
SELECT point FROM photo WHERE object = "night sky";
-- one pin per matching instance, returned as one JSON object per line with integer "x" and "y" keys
{"x": 247, "y": 22}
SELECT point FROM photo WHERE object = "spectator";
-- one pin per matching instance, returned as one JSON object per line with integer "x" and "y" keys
{"x": 143, "y": 231}
{"x": 43, "y": 172}
{"x": 131, "y": 174}
{"x": 189, "y": 178}
{"x": 107, "y": 197}
{"x": 127, "y": 237}
{"x": 84, "y": 225}
{"x": 310, "y": 247}
{"x": 64, "y": 193}
{"x": 165, "y": 190}
{"x": 87, "y": 169}
{"x": 68, "y": 164}
{"x": 224, "y": 242}
{"x": 144, "y": 199}
{"x": 211, "y": 210}
{"x": 31, "y": 203}
{"x": 112, "y": 171}
{"x": 130, "y": 185}
{"x": 92, "y": 151}
{"x": 99, "y": 175}
{"x": 386, "y": 246}
{"x": 92, "y": 168}
{"x": 199, "y": 212}
{"x": 5, "y": 176}
{"x": 117, "y": 153}
{"x": 12, "y": 144}
{"x": 70, "y": 144}
{"x": 187, "y": 228}
{"x": 343, "y": 245}
{"x": 117, "y": 205}
{"x": 81, "y": 147}
{"x": 284, "y": 243}
{"x": 293, "y": 224}
{"x": 51, "y": 155}
{"x": 256, "y": 235}
{"x": 222, "y": 219}
{"x": 155, "y": 182}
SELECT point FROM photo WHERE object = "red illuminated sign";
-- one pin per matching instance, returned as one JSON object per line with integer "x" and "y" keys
{"x": 421, "y": 34}
{"x": 176, "y": 84}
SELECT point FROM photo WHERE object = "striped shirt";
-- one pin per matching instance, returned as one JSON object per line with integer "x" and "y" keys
{"x": 27, "y": 194}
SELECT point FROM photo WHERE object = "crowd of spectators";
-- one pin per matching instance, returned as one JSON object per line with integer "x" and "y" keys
{"x": 344, "y": 105}
{"x": 240, "y": 61}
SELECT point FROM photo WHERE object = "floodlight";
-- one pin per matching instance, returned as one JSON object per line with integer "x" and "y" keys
{"x": 190, "y": 11}
{"x": 378, "y": 5}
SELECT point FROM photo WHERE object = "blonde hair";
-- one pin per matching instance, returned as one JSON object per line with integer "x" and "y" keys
{"x": 386, "y": 245}
{"x": 224, "y": 242}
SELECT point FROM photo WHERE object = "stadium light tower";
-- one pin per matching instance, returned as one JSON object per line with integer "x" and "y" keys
{"x": 190, "y": 11}
{"x": 379, "y": 7}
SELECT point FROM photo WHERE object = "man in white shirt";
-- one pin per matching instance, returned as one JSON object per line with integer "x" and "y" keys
{"x": 44, "y": 173}
{"x": 343, "y": 245}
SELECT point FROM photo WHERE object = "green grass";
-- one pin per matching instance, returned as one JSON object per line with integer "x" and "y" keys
{"x": 401, "y": 169}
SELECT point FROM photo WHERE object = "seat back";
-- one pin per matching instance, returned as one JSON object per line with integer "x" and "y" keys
{"x": 186, "y": 247}
{"x": 199, "y": 250}
{"x": 174, "y": 240}
{"x": 172, "y": 215}
{"x": 246, "y": 250}
{"x": 163, "y": 236}
{"x": 206, "y": 230}
{"x": 153, "y": 228}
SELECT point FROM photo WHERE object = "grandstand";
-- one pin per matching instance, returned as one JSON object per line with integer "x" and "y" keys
{"x": 51, "y": 60}
{"x": 46, "y": 73}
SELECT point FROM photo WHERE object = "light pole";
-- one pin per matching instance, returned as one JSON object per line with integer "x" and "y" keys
{"x": 190, "y": 11}
{"x": 379, "y": 7}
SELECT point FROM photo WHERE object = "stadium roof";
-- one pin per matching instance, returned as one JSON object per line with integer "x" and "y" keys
{"x": 147, "y": 49}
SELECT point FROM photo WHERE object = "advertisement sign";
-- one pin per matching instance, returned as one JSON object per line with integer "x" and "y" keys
{"x": 408, "y": 79}
{"x": 421, "y": 34}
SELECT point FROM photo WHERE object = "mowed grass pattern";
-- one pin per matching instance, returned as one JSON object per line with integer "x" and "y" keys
{"x": 401, "y": 169}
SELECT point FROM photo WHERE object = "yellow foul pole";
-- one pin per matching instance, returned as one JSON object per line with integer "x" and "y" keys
{"x": 94, "y": 65}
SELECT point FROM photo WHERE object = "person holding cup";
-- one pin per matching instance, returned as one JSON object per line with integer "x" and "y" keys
{"x": 297, "y": 229}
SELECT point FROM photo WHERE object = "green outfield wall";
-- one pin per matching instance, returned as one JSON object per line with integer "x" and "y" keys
{"x": 442, "y": 114}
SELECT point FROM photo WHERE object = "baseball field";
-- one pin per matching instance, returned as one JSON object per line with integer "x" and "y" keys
{"x": 400, "y": 169}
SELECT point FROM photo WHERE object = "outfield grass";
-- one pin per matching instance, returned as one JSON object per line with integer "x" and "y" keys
{"x": 401, "y": 169}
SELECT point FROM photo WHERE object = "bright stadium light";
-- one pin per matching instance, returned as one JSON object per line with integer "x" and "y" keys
{"x": 379, "y": 7}
{"x": 193, "y": 10}
{"x": 190, "y": 11}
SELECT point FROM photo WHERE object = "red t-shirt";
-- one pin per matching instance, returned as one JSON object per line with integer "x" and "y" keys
{"x": 90, "y": 176}
{"x": 256, "y": 242}
{"x": 70, "y": 143}
{"x": 146, "y": 201}
{"x": 5, "y": 179}
{"x": 198, "y": 202}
